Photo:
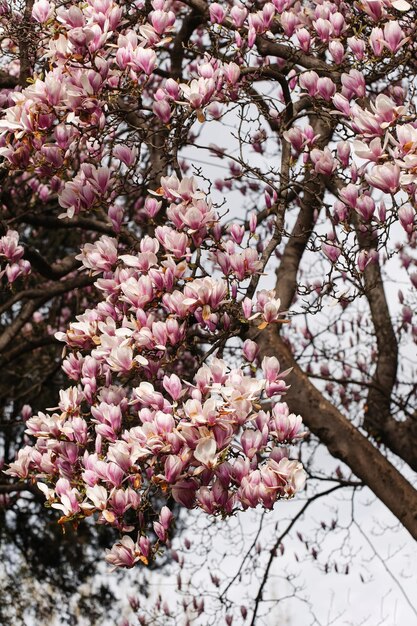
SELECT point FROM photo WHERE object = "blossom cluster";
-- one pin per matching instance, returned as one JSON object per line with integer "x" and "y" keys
{"x": 49, "y": 122}
{"x": 137, "y": 429}
{"x": 12, "y": 265}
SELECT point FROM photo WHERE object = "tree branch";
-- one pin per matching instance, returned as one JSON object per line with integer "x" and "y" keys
{"x": 342, "y": 439}
{"x": 398, "y": 436}
{"x": 38, "y": 298}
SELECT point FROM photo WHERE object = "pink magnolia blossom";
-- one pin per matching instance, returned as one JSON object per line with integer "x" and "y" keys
{"x": 144, "y": 59}
{"x": 42, "y": 10}
{"x": 394, "y": 37}
{"x": 337, "y": 51}
{"x": 308, "y": 81}
{"x": 357, "y": 46}
{"x": 376, "y": 40}
{"x": 353, "y": 84}
{"x": 385, "y": 177}
{"x": 331, "y": 251}
{"x": 217, "y": 13}
{"x": 323, "y": 161}
{"x": 407, "y": 216}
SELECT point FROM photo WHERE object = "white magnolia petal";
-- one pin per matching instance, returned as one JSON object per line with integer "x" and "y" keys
{"x": 205, "y": 451}
{"x": 401, "y": 5}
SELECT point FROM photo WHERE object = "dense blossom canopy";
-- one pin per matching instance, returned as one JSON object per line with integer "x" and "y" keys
{"x": 173, "y": 349}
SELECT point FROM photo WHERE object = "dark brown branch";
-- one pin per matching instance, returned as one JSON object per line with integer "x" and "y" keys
{"x": 19, "y": 487}
{"x": 38, "y": 298}
{"x": 25, "y": 44}
{"x": 310, "y": 204}
{"x": 273, "y": 72}
{"x": 25, "y": 347}
{"x": 54, "y": 271}
{"x": 342, "y": 439}
{"x": 399, "y": 437}
{"x": 295, "y": 56}
{"x": 84, "y": 223}
{"x": 7, "y": 81}
{"x": 287, "y": 271}
{"x": 190, "y": 23}
{"x": 15, "y": 327}
{"x": 47, "y": 291}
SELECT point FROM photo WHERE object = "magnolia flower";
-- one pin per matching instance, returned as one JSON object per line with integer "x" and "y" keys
{"x": 204, "y": 441}
{"x": 198, "y": 92}
{"x": 372, "y": 151}
{"x": 100, "y": 256}
{"x": 42, "y": 10}
{"x": 385, "y": 177}
{"x": 123, "y": 554}
{"x": 394, "y": 37}
{"x": 205, "y": 452}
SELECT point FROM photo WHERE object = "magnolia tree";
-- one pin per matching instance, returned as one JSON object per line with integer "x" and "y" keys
{"x": 204, "y": 207}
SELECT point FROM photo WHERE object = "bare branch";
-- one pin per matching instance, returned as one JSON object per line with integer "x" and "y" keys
{"x": 273, "y": 550}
